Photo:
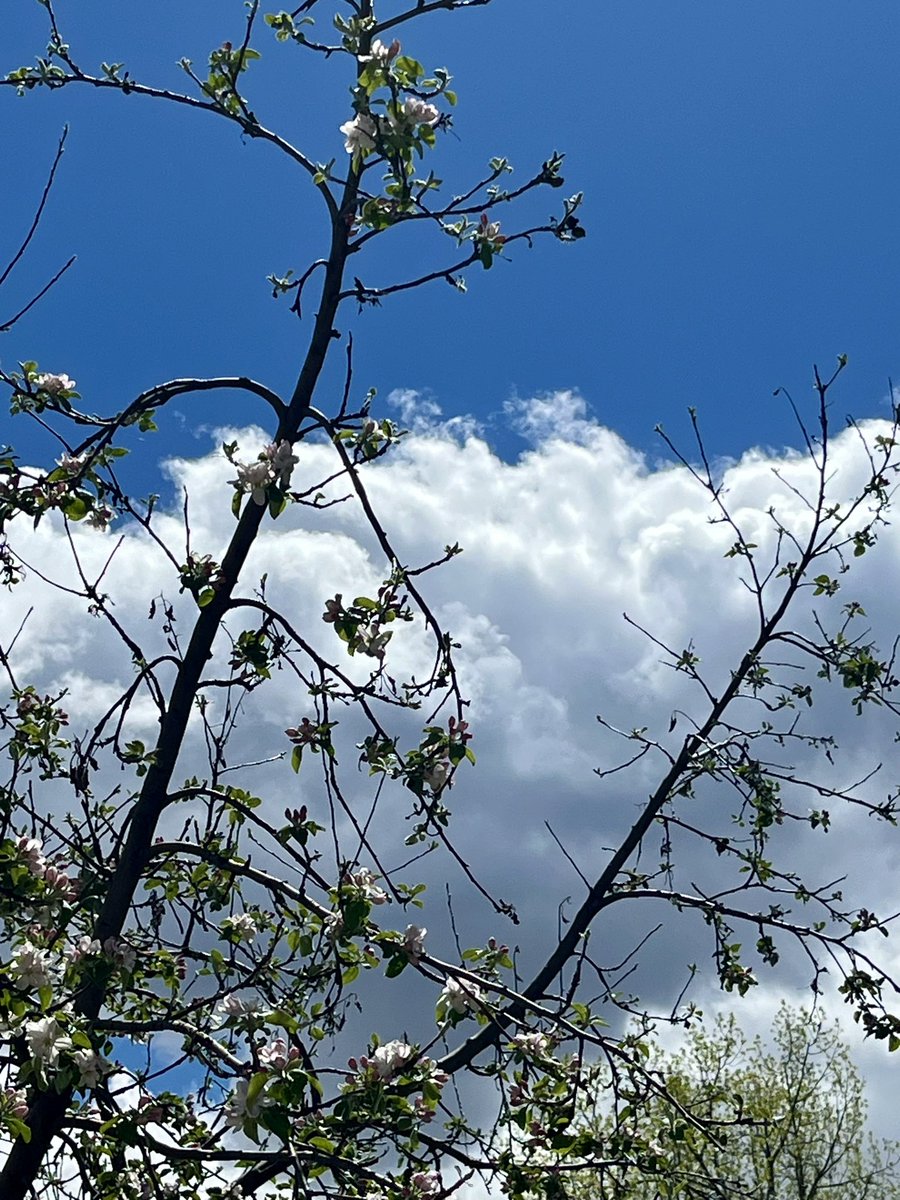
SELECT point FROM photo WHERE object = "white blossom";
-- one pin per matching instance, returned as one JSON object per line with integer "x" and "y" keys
{"x": 15, "y": 1102}
{"x": 54, "y": 384}
{"x": 254, "y": 478}
{"x": 282, "y": 458}
{"x": 31, "y": 966}
{"x": 46, "y": 1040}
{"x": 414, "y": 941}
{"x": 425, "y": 1183}
{"x": 72, "y": 463}
{"x": 120, "y": 952}
{"x": 419, "y": 112}
{"x": 390, "y": 1059}
{"x": 243, "y": 926}
{"x": 91, "y": 1067}
{"x": 30, "y": 849}
{"x": 461, "y": 996}
{"x": 364, "y": 879}
{"x": 100, "y": 516}
{"x": 234, "y": 1006}
{"x": 85, "y": 947}
{"x": 277, "y": 1054}
{"x": 359, "y": 134}
{"x": 238, "y": 1109}
{"x": 537, "y": 1045}
{"x": 437, "y": 774}
{"x": 380, "y": 53}
{"x": 333, "y": 925}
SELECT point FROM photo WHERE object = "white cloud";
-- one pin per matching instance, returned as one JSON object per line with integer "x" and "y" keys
{"x": 557, "y": 546}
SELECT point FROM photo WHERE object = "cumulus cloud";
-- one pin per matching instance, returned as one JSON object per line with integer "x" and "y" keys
{"x": 558, "y": 545}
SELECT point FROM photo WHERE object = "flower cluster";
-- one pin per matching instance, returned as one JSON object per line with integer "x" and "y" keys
{"x": 272, "y": 469}
{"x": 14, "y": 1101}
{"x": 460, "y": 996}
{"x": 54, "y": 385}
{"x": 277, "y": 1055}
{"x": 361, "y": 624}
{"x": 51, "y": 1050}
{"x": 245, "y": 1106}
{"x": 363, "y": 132}
{"x": 242, "y": 927}
{"x": 414, "y": 941}
{"x": 30, "y": 966}
{"x": 388, "y": 1060}
{"x": 363, "y": 881}
{"x": 532, "y": 1045}
{"x": 380, "y": 54}
{"x": 53, "y": 872}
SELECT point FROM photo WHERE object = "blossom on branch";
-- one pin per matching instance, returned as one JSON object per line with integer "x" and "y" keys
{"x": 364, "y": 880}
{"x": 92, "y": 1067}
{"x": 359, "y": 135}
{"x": 461, "y": 996}
{"x": 390, "y": 1059}
{"x": 380, "y": 54}
{"x": 55, "y": 385}
{"x": 31, "y": 966}
{"x": 46, "y": 1041}
{"x": 241, "y": 1108}
{"x": 242, "y": 927}
{"x": 414, "y": 941}
{"x": 419, "y": 112}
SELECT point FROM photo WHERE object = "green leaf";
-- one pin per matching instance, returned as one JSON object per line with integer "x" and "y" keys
{"x": 76, "y": 509}
{"x": 397, "y": 964}
{"x": 254, "y": 1090}
{"x": 296, "y": 758}
{"x": 277, "y": 1122}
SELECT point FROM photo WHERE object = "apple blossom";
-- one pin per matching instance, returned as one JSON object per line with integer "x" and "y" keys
{"x": 30, "y": 849}
{"x": 120, "y": 952}
{"x": 15, "y": 1102}
{"x": 282, "y": 458}
{"x": 381, "y": 54}
{"x": 91, "y": 1067}
{"x": 388, "y": 1060}
{"x": 461, "y": 996}
{"x": 72, "y": 463}
{"x": 424, "y": 1183}
{"x": 535, "y": 1045}
{"x": 333, "y": 925}
{"x": 235, "y": 1006}
{"x": 31, "y": 966}
{"x": 437, "y": 775}
{"x": 359, "y": 135}
{"x": 253, "y": 478}
{"x": 100, "y": 516}
{"x": 419, "y": 112}
{"x": 46, "y": 1040}
{"x": 242, "y": 925}
{"x": 414, "y": 941}
{"x": 239, "y": 1109}
{"x": 333, "y": 609}
{"x": 277, "y": 1054}
{"x": 53, "y": 385}
{"x": 364, "y": 880}
{"x": 85, "y": 947}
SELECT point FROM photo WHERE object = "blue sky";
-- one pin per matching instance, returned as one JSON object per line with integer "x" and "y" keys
{"x": 739, "y": 166}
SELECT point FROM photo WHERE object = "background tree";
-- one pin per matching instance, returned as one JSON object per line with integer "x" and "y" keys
{"x": 152, "y": 895}
{"x": 783, "y": 1118}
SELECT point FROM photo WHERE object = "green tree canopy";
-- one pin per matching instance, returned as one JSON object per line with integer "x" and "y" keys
{"x": 784, "y": 1119}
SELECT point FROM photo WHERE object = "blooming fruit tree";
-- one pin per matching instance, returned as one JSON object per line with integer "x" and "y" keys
{"x": 149, "y": 900}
